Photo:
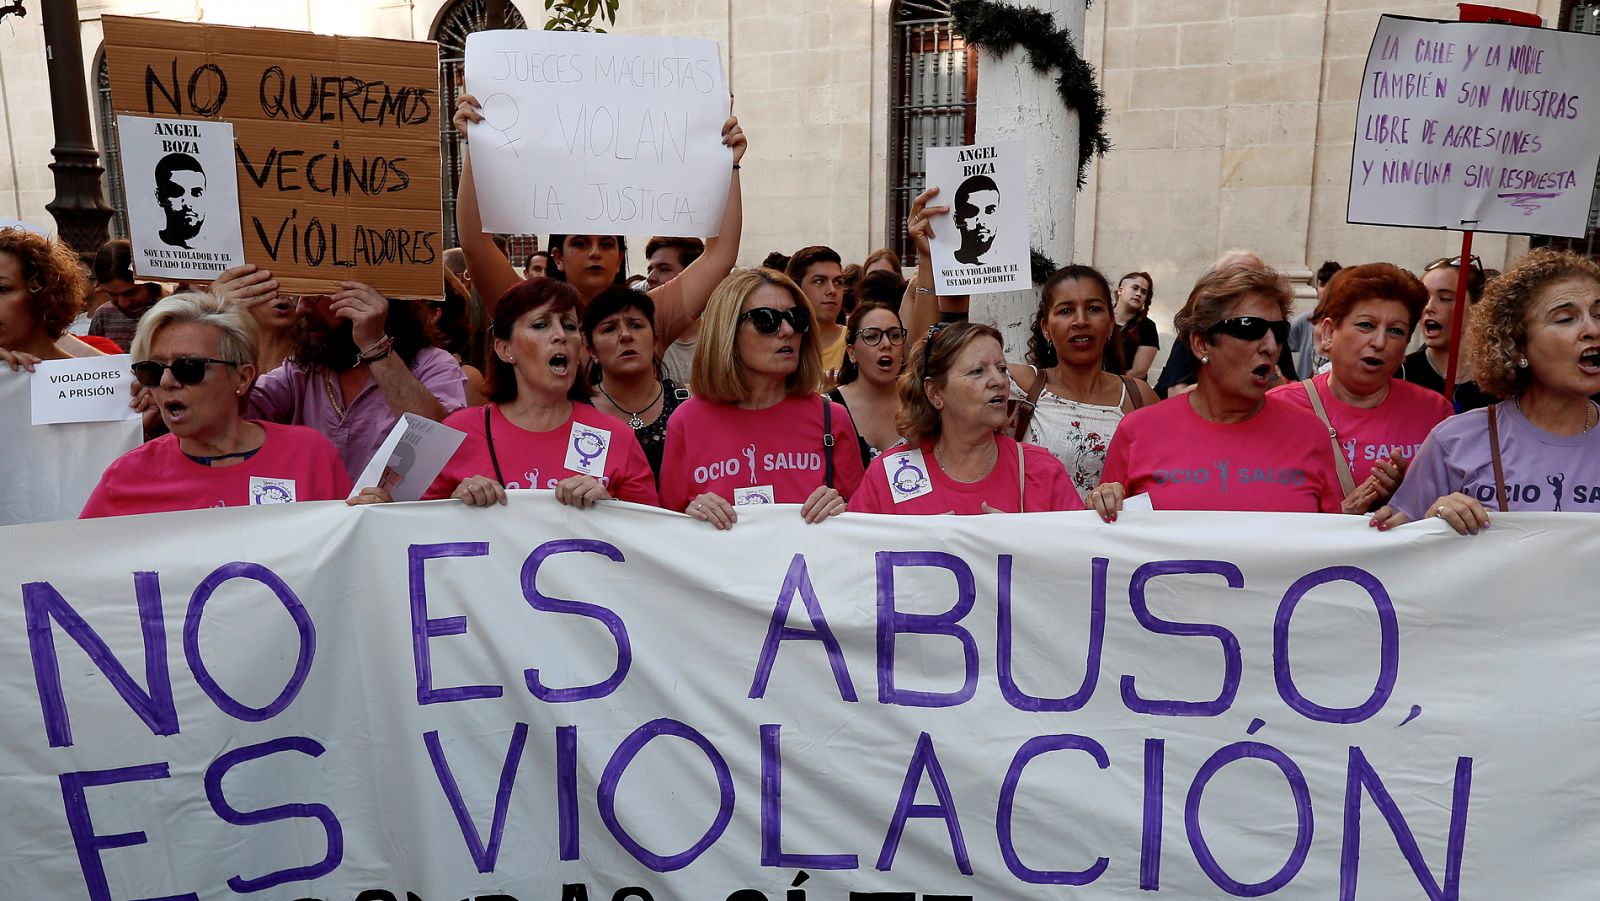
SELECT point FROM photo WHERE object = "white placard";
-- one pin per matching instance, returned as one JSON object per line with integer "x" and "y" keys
{"x": 183, "y": 197}
{"x": 982, "y": 246}
{"x": 448, "y": 702}
{"x": 410, "y": 458}
{"x": 598, "y": 133}
{"x": 1476, "y": 126}
{"x": 82, "y": 389}
{"x": 48, "y": 471}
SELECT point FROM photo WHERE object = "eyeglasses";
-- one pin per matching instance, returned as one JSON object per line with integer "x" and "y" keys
{"x": 1252, "y": 328}
{"x": 1453, "y": 263}
{"x": 927, "y": 343}
{"x": 187, "y": 370}
{"x": 875, "y": 336}
{"x": 768, "y": 320}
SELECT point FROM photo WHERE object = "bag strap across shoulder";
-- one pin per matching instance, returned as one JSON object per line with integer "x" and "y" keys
{"x": 1494, "y": 457}
{"x": 488, "y": 434}
{"x": 1132, "y": 388}
{"x": 1346, "y": 480}
{"x": 827, "y": 441}
{"x": 1025, "y": 415}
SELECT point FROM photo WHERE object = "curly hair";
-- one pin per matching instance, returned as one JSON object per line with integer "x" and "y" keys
{"x": 1498, "y": 331}
{"x": 1373, "y": 281}
{"x": 53, "y": 275}
{"x": 1041, "y": 353}
{"x": 930, "y": 360}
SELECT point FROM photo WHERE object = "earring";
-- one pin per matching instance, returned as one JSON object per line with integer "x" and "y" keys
{"x": 1205, "y": 359}
{"x": 1522, "y": 363}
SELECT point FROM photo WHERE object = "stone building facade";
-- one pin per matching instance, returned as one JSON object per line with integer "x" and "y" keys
{"x": 1231, "y": 120}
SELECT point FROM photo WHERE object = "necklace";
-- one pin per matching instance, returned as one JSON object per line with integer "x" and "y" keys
{"x": 327, "y": 385}
{"x": 1588, "y": 407}
{"x": 634, "y": 422}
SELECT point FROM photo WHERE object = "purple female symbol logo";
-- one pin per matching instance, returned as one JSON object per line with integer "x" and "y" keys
{"x": 907, "y": 477}
{"x": 588, "y": 445}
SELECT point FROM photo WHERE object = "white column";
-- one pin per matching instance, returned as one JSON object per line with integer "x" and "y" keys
{"x": 1017, "y": 103}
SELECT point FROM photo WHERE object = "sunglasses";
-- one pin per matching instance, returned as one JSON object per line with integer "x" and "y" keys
{"x": 1252, "y": 328}
{"x": 768, "y": 320}
{"x": 187, "y": 370}
{"x": 875, "y": 336}
{"x": 1453, "y": 263}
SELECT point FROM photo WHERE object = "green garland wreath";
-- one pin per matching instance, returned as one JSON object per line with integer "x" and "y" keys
{"x": 999, "y": 28}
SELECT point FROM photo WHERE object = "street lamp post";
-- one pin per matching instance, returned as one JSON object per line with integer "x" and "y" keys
{"x": 79, "y": 207}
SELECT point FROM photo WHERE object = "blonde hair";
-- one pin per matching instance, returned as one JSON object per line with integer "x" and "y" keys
{"x": 931, "y": 360}
{"x": 1498, "y": 331}
{"x": 1218, "y": 290}
{"x": 718, "y": 374}
{"x": 240, "y": 334}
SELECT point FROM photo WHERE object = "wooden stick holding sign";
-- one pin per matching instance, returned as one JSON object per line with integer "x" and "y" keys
{"x": 336, "y": 143}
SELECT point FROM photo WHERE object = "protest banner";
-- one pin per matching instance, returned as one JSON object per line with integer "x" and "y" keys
{"x": 337, "y": 142}
{"x": 598, "y": 133}
{"x": 48, "y": 471}
{"x": 1476, "y": 126}
{"x": 536, "y": 702}
{"x": 82, "y": 389}
{"x": 982, "y": 248}
{"x": 183, "y": 197}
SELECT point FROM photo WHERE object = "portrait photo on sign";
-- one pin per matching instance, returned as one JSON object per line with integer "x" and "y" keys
{"x": 982, "y": 246}
{"x": 183, "y": 197}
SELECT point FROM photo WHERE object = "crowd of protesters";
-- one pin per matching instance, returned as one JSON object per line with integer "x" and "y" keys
{"x": 834, "y": 386}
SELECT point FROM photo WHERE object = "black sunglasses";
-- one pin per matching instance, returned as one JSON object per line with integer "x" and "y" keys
{"x": 768, "y": 320}
{"x": 187, "y": 370}
{"x": 875, "y": 336}
{"x": 1252, "y": 328}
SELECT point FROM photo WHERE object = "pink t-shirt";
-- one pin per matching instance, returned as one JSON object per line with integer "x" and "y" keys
{"x": 589, "y": 443}
{"x": 909, "y": 480}
{"x": 294, "y": 463}
{"x": 1276, "y": 461}
{"x": 772, "y": 456}
{"x": 1366, "y": 436}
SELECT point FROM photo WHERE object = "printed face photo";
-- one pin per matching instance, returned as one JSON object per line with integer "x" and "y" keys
{"x": 977, "y": 212}
{"x": 180, "y": 190}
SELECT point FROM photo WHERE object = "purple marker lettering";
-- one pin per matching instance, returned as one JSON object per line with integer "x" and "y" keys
{"x": 1034, "y": 747}
{"x": 1155, "y": 789}
{"x": 1015, "y": 696}
{"x": 798, "y": 581}
{"x": 88, "y": 844}
{"x": 483, "y": 855}
{"x": 1361, "y": 775}
{"x": 567, "y": 791}
{"x": 1232, "y": 664}
{"x": 612, "y": 622}
{"x": 1304, "y": 825}
{"x": 772, "y": 853}
{"x": 41, "y": 603}
{"x": 423, "y": 628}
{"x": 1388, "y": 646}
{"x": 924, "y": 760}
{"x": 891, "y": 623}
{"x": 303, "y": 627}
{"x": 333, "y": 832}
{"x": 607, "y": 794}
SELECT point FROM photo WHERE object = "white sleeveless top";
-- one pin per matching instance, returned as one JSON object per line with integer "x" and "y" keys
{"x": 1077, "y": 434}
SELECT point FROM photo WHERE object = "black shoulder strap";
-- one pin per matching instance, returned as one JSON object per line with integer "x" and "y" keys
{"x": 827, "y": 441}
{"x": 488, "y": 434}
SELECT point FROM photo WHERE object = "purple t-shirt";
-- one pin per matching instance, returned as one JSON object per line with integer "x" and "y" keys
{"x": 295, "y": 394}
{"x": 1543, "y": 472}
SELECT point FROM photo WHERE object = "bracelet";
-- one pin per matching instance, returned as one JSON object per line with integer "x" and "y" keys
{"x": 376, "y": 352}
{"x": 736, "y": 166}
{"x": 921, "y": 290}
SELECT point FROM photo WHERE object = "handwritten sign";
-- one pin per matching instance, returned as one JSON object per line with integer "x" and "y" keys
{"x": 982, "y": 246}
{"x": 48, "y": 471}
{"x": 410, "y": 458}
{"x": 1477, "y": 126}
{"x": 337, "y": 142}
{"x": 183, "y": 197}
{"x": 598, "y": 133}
{"x": 83, "y": 389}
{"x": 535, "y": 702}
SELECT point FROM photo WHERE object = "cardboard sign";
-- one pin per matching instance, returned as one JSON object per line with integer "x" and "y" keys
{"x": 83, "y": 389}
{"x": 183, "y": 198}
{"x": 598, "y": 133}
{"x": 410, "y": 458}
{"x": 337, "y": 142}
{"x": 48, "y": 471}
{"x": 982, "y": 246}
{"x": 1476, "y": 126}
{"x": 537, "y": 702}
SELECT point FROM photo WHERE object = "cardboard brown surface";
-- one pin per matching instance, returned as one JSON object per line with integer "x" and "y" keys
{"x": 337, "y": 142}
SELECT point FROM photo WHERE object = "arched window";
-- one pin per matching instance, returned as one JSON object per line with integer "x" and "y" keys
{"x": 461, "y": 18}
{"x": 110, "y": 149}
{"x": 933, "y": 97}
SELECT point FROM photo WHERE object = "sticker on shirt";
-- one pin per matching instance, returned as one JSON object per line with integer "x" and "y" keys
{"x": 908, "y": 478}
{"x": 760, "y": 494}
{"x": 271, "y": 491}
{"x": 587, "y": 449}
